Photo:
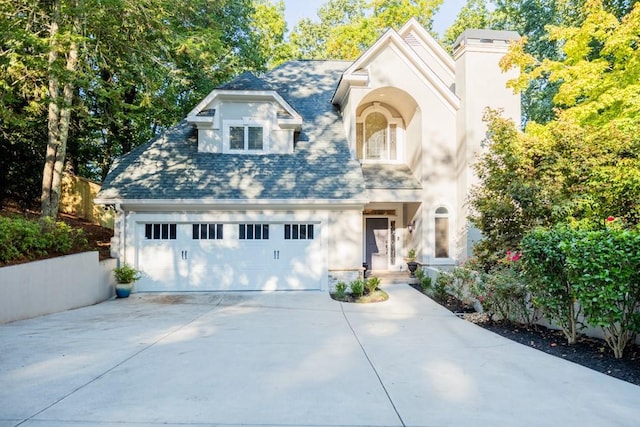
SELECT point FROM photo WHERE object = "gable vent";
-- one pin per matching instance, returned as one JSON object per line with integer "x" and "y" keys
{"x": 411, "y": 40}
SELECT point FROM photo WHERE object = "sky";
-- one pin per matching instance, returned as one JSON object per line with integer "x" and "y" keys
{"x": 298, "y": 9}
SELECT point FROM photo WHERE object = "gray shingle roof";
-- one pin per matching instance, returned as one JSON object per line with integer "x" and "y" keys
{"x": 169, "y": 167}
{"x": 389, "y": 176}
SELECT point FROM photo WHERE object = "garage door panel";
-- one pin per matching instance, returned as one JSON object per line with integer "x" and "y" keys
{"x": 230, "y": 263}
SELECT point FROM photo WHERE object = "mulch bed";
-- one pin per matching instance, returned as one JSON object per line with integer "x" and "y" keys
{"x": 589, "y": 352}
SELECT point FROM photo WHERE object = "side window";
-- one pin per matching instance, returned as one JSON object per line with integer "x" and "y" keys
{"x": 207, "y": 232}
{"x": 298, "y": 232}
{"x": 253, "y": 231}
{"x": 442, "y": 232}
{"x": 160, "y": 231}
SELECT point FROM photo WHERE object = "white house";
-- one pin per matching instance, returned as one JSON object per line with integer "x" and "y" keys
{"x": 288, "y": 179}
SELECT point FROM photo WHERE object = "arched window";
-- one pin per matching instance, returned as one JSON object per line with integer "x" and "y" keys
{"x": 377, "y": 135}
{"x": 442, "y": 232}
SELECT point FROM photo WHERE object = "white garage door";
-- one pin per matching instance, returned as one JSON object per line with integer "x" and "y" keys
{"x": 204, "y": 256}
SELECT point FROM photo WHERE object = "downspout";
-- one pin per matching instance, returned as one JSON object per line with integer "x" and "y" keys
{"x": 122, "y": 220}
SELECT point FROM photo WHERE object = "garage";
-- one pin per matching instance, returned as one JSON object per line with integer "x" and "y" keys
{"x": 230, "y": 256}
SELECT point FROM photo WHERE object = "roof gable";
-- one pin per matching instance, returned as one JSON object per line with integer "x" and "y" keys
{"x": 356, "y": 74}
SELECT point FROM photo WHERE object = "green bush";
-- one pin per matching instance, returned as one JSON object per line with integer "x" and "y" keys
{"x": 24, "y": 239}
{"x": 357, "y": 288}
{"x": 503, "y": 293}
{"x": 371, "y": 284}
{"x": 340, "y": 290}
{"x": 603, "y": 267}
{"x": 545, "y": 269}
{"x": 423, "y": 280}
{"x": 443, "y": 281}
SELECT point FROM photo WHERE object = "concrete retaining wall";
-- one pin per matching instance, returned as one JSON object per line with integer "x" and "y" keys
{"x": 53, "y": 285}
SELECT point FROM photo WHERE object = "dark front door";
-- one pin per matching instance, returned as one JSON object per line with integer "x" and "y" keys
{"x": 377, "y": 237}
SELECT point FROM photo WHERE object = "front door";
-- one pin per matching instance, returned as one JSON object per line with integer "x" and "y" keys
{"x": 377, "y": 243}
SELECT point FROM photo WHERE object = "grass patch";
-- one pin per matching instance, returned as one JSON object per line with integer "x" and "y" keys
{"x": 376, "y": 296}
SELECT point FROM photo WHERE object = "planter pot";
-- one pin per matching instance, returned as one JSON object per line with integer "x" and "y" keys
{"x": 123, "y": 290}
{"x": 413, "y": 266}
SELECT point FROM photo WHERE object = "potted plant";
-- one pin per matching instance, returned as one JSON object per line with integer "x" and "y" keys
{"x": 411, "y": 262}
{"x": 125, "y": 276}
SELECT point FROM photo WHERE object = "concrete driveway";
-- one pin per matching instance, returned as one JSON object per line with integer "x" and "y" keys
{"x": 289, "y": 359}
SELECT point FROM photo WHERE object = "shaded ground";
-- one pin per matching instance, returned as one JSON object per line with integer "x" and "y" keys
{"x": 589, "y": 352}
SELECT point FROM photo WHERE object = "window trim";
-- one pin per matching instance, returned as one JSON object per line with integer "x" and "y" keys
{"x": 439, "y": 216}
{"x": 391, "y": 121}
{"x": 246, "y": 124}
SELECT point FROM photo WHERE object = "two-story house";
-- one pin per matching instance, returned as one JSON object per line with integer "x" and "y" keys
{"x": 297, "y": 177}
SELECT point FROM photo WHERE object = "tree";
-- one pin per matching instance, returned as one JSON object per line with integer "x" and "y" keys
{"x": 584, "y": 165}
{"x": 348, "y": 27}
{"x": 474, "y": 14}
{"x": 113, "y": 73}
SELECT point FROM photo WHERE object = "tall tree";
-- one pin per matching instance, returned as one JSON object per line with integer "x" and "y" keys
{"x": 584, "y": 165}
{"x": 474, "y": 14}
{"x": 112, "y": 73}
{"x": 348, "y": 27}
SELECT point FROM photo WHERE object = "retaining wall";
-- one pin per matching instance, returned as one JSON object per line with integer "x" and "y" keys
{"x": 53, "y": 285}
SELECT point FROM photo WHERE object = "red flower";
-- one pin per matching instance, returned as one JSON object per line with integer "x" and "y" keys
{"x": 611, "y": 218}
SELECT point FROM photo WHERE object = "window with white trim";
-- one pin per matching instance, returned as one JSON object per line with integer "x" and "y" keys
{"x": 442, "y": 232}
{"x": 253, "y": 231}
{"x": 245, "y": 136}
{"x": 207, "y": 231}
{"x": 378, "y": 135}
{"x": 160, "y": 231}
{"x": 298, "y": 232}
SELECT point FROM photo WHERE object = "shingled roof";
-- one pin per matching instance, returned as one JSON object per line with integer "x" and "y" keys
{"x": 321, "y": 168}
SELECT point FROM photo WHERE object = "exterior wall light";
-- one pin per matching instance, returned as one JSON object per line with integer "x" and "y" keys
{"x": 411, "y": 226}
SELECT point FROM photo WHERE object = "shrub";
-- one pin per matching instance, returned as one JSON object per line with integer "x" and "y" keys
{"x": 503, "y": 293}
{"x": 603, "y": 266}
{"x": 372, "y": 284}
{"x": 545, "y": 268}
{"x": 340, "y": 290}
{"x": 24, "y": 239}
{"x": 357, "y": 288}
{"x": 423, "y": 280}
{"x": 443, "y": 281}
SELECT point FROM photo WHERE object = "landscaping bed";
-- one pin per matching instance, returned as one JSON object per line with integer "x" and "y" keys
{"x": 589, "y": 352}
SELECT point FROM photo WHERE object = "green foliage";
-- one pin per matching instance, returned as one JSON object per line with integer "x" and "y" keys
{"x": 126, "y": 274}
{"x": 348, "y": 27}
{"x": 141, "y": 67}
{"x": 545, "y": 269}
{"x": 357, "y": 288}
{"x": 411, "y": 255}
{"x": 474, "y": 14}
{"x": 22, "y": 239}
{"x": 443, "y": 281}
{"x": 423, "y": 280}
{"x": 371, "y": 284}
{"x": 603, "y": 267}
{"x": 340, "y": 290}
{"x": 503, "y": 293}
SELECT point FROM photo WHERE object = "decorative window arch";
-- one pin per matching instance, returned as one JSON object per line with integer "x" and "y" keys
{"x": 379, "y": 135}
{"x": 441, "y": 228}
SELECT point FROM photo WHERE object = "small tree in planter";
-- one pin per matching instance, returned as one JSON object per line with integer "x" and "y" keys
{"x": 125, "y": 276}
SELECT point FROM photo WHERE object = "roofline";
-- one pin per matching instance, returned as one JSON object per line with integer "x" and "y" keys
{"x": 441, "y": 54}
{"x": 392, "y": 38}
{"x": 230, "y": 203}
{"x": 270, "y": 94}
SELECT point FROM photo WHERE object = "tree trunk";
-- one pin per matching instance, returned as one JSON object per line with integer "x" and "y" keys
{"x": 59, "y": 118}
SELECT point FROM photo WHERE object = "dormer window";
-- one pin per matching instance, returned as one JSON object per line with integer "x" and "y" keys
{"x": 245, "y": 136}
